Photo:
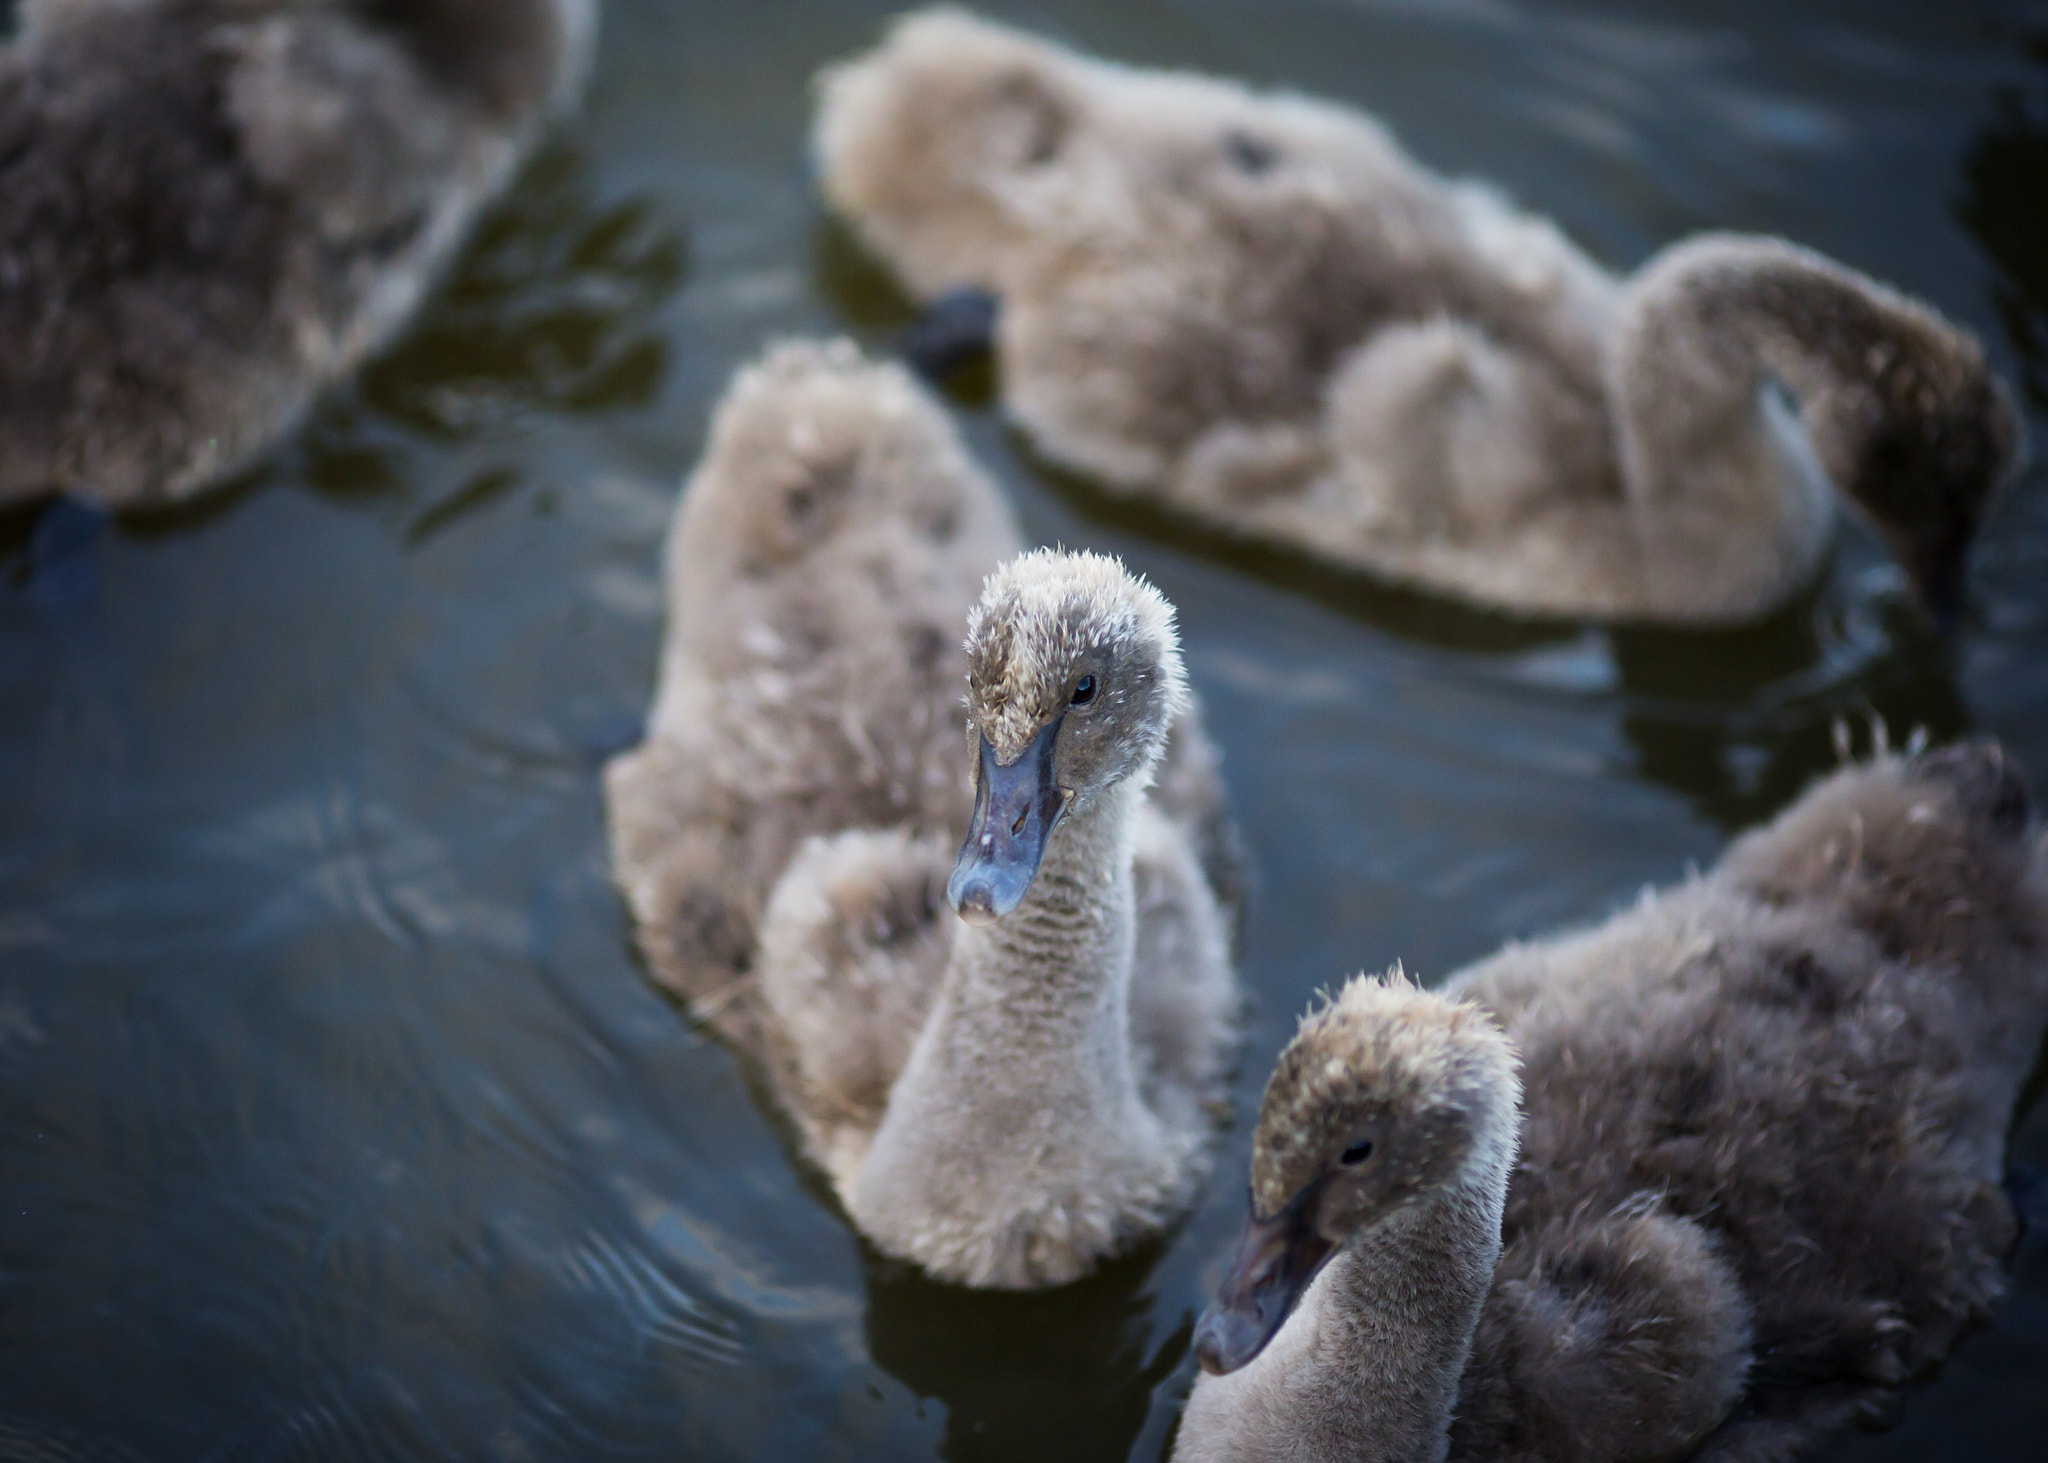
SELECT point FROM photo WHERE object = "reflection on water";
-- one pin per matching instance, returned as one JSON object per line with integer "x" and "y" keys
{"x": 2004, "y": 202}
{"x": 546, "y": 310}
{"x": 869, "y": 300}
{"x": 1067, "y": 1374}
{"x": 1741, "y": 720}
{"x": 859, "y": 286}
{"x": 336, "y": 1118}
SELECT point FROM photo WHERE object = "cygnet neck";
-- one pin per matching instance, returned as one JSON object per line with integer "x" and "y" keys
{"x": 1722, "y": 493}
{"x": 1053, "y": 976}
{"x": 1410, "y": 1296}
{"x": 1017, "y": 1115}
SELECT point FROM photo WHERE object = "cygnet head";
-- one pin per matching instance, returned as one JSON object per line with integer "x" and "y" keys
{"x": 1931, "y": 446}
{"x": 1386, "y": 1097}
{"x": 812, "y": 438}
{"x": 923, "y": 134}
{"x": 1073, "y": 679}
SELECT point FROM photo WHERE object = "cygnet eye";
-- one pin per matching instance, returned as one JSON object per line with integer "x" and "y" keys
{"x": 1250, "y": 154}
{"x": 1357, "y": 1153}
{"x": 1084, "y": 691}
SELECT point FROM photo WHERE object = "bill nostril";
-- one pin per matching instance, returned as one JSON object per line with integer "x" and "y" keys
{"x": 1017, "y": 828}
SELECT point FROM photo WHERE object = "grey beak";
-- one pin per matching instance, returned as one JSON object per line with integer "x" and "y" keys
{"x": 1277, "y": 1260}
{"x": 1015, "y": 810}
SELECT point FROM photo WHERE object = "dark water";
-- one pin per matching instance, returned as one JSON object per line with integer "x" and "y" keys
{"x": 336, "y": 1120}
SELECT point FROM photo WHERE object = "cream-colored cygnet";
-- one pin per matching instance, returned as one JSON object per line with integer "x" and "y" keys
{"x": 1259, "y": 311}
{"x": 1008, "y": 1094}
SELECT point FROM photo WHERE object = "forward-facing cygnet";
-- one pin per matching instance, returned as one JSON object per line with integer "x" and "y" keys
{"x": 1260, "y": 311}
{"x": 1008, "y": 1096}
{"x": 211, "y": 209}
{"x": 1759, "y": 1181}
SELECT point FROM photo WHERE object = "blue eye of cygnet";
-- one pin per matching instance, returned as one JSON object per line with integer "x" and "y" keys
{"x": 1084, "y": 691}
{"x": 1357, "y": 1153}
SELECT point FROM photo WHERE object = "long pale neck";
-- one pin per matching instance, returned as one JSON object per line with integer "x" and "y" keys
{"x": 1367, "y": 1369}
{"x": 1023, "y": 1070}
{"x": 1407, "y": 1305}
{"x": 1048, "y": 985}
{"x": 1721, "y": 490}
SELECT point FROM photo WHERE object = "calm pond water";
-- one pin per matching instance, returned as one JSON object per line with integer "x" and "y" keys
{"x": 336, "y": 1118}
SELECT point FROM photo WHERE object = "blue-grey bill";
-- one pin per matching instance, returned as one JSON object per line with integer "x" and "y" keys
{"x": 1277, "y": 1260}
{"x": 1015, "y": 810}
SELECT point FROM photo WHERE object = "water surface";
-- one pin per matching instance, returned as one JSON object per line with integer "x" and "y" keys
{"x": 337, "y": 1119}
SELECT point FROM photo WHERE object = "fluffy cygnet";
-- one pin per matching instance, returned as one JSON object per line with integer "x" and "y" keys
{"x": 1758, "y": 1185}
{"x": 211, "y": 209}
{"x": 1260, "y": 311}
{"x": 1006, "y": 1097}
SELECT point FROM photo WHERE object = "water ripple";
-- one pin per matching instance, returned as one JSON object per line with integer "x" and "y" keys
{"x": 660, "y": 1309}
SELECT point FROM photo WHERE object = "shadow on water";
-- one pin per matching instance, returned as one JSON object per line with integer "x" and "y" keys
{"x": 17, "y": 534}
{"x": 550, "y": 308}
{"x": 550, "y": 311}
{"x": 856, "y": 284}
{"x": 2004, "y": 202}
{"x": 1067, "y": 1373}
{"x": 161, "y": 521}
{"x": 1026, "y": 1375}
{"x": 55, "y": 558}
{"x": 874, "y": 307}
{"x": 25, "y": 527}
{"x": 1740, "y": 721}
{"x": 478, "y": 492}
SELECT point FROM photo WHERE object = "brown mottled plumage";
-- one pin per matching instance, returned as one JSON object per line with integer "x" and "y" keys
{"x": 1007, "y": 1104}
{"x": 1260, "y": 311}
{"x": 1758, "y": 1187}
{"x": 211, "y": 209}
